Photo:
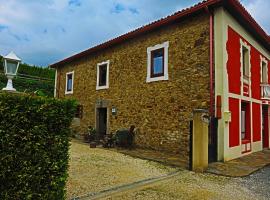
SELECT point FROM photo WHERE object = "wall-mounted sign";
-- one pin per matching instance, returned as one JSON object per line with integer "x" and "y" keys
{"x": 114, "y": 111}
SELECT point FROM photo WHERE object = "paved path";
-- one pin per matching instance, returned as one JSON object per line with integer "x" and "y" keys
{"x": 243, "y": 166}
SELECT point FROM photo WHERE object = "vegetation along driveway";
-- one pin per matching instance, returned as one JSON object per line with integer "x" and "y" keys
{"x": 95, "y": 170}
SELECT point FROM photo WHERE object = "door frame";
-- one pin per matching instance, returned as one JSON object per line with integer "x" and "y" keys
{"x": 265, "y": 120}
{"x": 102, "y": 104}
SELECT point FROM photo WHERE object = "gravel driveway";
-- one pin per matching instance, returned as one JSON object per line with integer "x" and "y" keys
{"x": 93, "y": 170}
{"x": 192, "y": 186}
{"x": 259, "y": 182}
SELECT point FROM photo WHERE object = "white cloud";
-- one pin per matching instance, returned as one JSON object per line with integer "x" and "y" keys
{"x": 44, "y": 31}
{"x": 259, "y": 10}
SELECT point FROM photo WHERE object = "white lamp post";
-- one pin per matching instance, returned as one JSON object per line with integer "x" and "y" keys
{"x": 11, "y": 65}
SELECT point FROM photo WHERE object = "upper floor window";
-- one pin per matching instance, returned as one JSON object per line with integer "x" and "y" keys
{"x": 69, "y": 82}
{"x": 157, "y": 62}
{"x": 245, "y": 61}
{"x": 103, "y": 75}
{"x": 264, "y": 71}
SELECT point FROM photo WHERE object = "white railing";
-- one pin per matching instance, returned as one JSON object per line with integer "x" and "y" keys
{"x": 265, "y": 91}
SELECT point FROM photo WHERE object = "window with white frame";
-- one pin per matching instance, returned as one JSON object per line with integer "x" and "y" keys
{"x": 69, "y": 82}
{"x": 245, "y": 61}
{"x": 264, "y": 71}
{"x": 157, "y": 62}
{"x": 103, "y": 75}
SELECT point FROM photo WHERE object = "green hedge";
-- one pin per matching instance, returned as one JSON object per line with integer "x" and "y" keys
{"x": 34, "y": 138}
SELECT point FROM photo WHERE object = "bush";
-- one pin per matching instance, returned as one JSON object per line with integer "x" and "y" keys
{"x": 123, "y": 138}
{"x": 34, "y": 137}
{"x": 91, "y": 134}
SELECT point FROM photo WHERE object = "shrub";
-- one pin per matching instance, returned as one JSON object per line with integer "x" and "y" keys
{"x": 90, "y": 135}
{"x": 123, "y": 138}
{"x": 34, "y": 138}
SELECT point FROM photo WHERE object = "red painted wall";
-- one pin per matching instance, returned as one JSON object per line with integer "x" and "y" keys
{"x": 233, "y": 64}
{"x": 255, "y": 71}
{"x": 234, "y": 130}
{"x": 256, "y": 109}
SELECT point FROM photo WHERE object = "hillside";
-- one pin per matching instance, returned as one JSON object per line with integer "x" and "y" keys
{"x": 30, "y": 79}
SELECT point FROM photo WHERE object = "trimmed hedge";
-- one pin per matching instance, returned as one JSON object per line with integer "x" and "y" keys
{"x": 34, "y": 138}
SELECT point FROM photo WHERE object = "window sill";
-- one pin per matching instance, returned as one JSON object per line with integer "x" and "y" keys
{"x": 102, "y": 87}
{"x": 70, "y": 92}
{"x": 154, "y": 79}
{"x": 245, "y": 141}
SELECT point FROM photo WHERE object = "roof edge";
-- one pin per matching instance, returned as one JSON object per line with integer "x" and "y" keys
{"x": 233, "y": 5}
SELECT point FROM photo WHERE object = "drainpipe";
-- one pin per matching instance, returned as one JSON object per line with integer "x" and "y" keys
{"x": 212, "y": 111}
{"x": 211, "y": 63}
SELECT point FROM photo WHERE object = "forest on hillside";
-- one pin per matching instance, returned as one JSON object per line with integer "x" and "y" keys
{"x": 31, "y": 79}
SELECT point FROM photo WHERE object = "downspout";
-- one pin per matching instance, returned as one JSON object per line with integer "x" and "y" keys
{"x": 211, "y": 19}
{"x": 211, "y": 63}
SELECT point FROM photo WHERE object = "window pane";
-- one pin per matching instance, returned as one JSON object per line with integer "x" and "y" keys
{"x": 264, "y": 73}
{"x": 11, "y": 67}
{"x": 69, "y": 82}
{"x": 243, "y": 125}
{"x": 102, "y": 75}
{"x": 157, "y": 65}
{"x": 245, "y": 60}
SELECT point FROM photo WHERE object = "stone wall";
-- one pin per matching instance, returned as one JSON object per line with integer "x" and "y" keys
{"x": 161, "y": 111}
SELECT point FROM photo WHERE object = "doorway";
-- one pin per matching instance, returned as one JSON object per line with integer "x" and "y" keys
{"x": 265, "y": 127}
{"x": 101, "y": 122}
{"x": 212, "y": 140}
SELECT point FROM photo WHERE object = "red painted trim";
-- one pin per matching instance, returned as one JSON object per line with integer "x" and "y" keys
{"x": 232, "y": 5}
{"x": 219, "y": 104}
{"x": 211, "y": 64}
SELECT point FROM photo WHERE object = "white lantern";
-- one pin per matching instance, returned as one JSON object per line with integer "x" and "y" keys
{"x": 11, "y": 65}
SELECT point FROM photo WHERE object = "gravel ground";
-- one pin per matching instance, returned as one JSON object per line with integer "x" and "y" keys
{"x": 191, "y": 186}
{"x": 258, "y": 182}
{"x": 93, "y": 170}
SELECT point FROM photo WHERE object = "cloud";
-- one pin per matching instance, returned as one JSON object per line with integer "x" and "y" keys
{"x": 259, "y": 9}
{"x": 74, "y": 3}
{"x": 42, "y": 32}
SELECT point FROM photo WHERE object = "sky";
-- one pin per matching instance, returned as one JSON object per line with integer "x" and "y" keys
{"x": 42, "y": 32}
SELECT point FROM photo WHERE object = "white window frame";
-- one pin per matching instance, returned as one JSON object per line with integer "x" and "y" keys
{"x": 164, "y": 45}
{"x": 245, "y": 45}
{"x": 263, "y": 60}
{"x": 68, "y": 73}
{"x": 107, "y": 75}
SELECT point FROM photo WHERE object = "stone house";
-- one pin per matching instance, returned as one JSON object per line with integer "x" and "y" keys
{"x": 155, "y": 76}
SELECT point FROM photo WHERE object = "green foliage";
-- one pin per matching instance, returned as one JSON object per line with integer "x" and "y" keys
{"x": 31, "y": 79}
{"x": 42, "y": 72}
{"x": 123, "y": 138}
{"x": 29, "y": 85}
{"x": 34, "y": 138}
{"x": 91, "y": 134}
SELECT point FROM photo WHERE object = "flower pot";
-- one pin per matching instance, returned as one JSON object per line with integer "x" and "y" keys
{"x": 93, "y": 145}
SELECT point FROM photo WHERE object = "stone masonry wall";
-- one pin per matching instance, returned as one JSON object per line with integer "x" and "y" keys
{"x": 161, "y": 111}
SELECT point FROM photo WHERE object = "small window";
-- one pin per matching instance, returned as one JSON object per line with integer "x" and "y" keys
{"x": 103, "y": 75}
{"x": 245, "y": 62}
{"x": 157, "y": 62}
{"x": 264, "y": 72}
{"x": 69, "y": 82}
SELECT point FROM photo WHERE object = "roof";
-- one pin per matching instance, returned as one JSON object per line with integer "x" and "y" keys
{"x": 233, "y": 6}
{"x": 12, "y": 56}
